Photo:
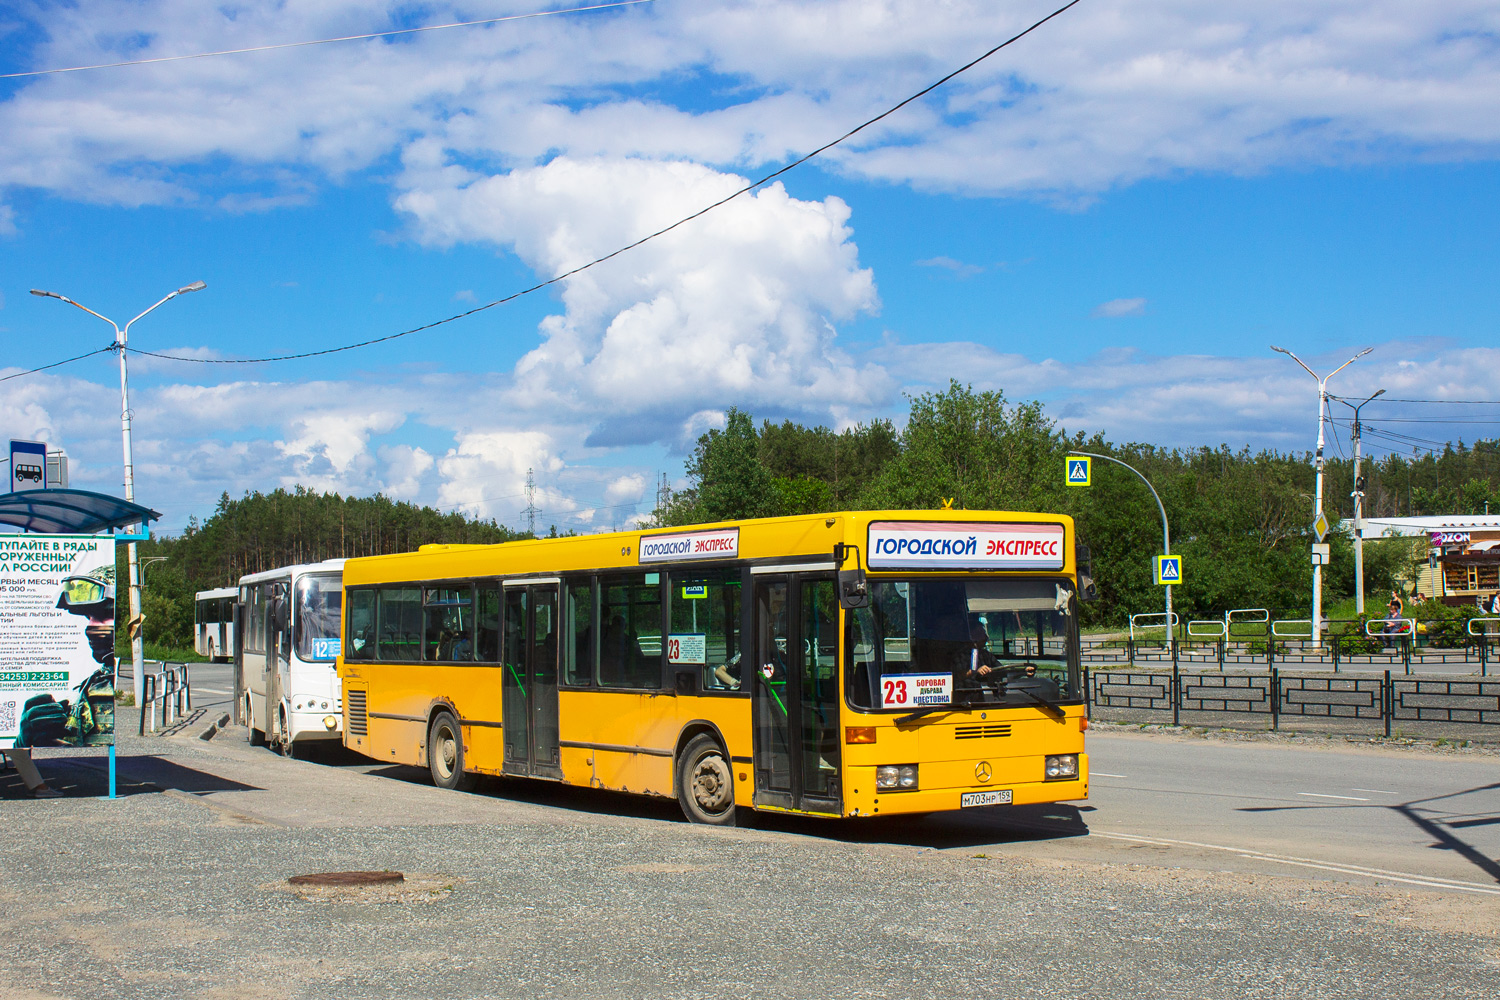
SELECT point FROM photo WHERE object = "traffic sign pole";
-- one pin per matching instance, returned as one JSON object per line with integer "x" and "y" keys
{"x": 1166, "y": 535}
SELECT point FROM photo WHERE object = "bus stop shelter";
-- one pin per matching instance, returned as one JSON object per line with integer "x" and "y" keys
{"x": 82, "y": 516}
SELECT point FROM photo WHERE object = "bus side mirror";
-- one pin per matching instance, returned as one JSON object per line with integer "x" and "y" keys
{"x": 854, "y": 590}
{"x": 1087, "y": 589}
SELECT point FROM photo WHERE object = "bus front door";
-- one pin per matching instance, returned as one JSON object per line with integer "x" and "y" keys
{"x": 528, "y": 685}
{"x": 796, "y": 697}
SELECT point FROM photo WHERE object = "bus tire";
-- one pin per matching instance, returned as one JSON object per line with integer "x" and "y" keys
{"x": 445, "y": 754}
{"x": 705, "y": 782}
{"x": 257, "y": 736}
{"x": 284, "y": 744}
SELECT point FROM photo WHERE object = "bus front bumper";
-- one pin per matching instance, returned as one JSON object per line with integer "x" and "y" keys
{"x": 861, "y": 799}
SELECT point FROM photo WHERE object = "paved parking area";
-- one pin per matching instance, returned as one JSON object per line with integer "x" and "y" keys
{"x": 178, "y": 888}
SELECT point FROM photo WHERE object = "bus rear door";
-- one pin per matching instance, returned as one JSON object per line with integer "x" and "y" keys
{"x": 528, "y": 683}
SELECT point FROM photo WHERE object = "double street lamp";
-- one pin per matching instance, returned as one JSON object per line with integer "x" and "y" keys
{"x": 137, "y": 648}
{"x": 1317, "y": 596}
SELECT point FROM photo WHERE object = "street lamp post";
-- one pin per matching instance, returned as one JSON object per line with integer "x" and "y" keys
{"x": 1317, "y": 595}
{"x": 1166, "y": 535}
{"x": 137, "y": 647}
{"x": 1359, "y": 504}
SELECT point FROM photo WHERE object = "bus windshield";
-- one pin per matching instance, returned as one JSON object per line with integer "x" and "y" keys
{"x": 932, "y": 642}
{"x": 316, "y": 622}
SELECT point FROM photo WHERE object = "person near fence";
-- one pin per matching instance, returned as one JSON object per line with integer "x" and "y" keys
{"x": 1397, "y": 603}
{"x": 1395, "y": 625}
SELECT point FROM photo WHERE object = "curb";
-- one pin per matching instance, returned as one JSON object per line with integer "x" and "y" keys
{"x": 215, "y": 726}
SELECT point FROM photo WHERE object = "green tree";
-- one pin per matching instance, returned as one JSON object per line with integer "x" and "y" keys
{"x": 726, "y": 480}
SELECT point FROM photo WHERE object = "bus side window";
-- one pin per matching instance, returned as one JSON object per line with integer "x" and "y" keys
{"x": 361, "y": 625}
{"x": 578, "y": 619}
{"x": 487, "y": 619}
{"x": 449, "y": 624}
{"x": 400, "y": 633}
{"x": 630, "y": 641}
{"x": 705, "y": 620}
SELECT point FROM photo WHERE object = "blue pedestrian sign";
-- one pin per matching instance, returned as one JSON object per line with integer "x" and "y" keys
{"x": 1168, "y": 570}
{"x": 1080, "y": 471}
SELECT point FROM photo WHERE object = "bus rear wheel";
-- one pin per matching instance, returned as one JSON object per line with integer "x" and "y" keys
{"x": 445, "y": 754}
{"x": 705, "y": 782}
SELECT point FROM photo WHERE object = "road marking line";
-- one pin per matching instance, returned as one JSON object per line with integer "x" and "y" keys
{"x": 1429, "y": 880}
{"x": 1346, "y": 798}
{"x": 1106, "y": 774}
{"x": 1377, "y": 791}
{"x": 211, "y": 690}
{"x": 1389, "y": 878}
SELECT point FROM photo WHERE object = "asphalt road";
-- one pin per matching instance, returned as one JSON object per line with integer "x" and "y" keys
{"x": 179, "y": 887}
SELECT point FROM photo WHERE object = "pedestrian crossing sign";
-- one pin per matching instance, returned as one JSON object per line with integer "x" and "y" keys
{"x": 1168, "y": 570}
{"x": 1080, "y": 471}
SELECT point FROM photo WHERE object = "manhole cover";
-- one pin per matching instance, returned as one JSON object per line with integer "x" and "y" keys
{"x": 347, "y": 878}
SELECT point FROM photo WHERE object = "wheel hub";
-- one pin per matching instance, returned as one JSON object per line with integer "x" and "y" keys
{"x": 711, "y": 786}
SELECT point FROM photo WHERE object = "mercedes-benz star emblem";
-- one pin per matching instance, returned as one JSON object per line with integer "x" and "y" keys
{"x": 982, "y": 771}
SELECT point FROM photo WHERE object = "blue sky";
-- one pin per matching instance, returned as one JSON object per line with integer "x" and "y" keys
{"x": 1116, "y": 216}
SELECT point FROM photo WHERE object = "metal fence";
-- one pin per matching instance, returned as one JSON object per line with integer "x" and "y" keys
{"x": 1384, "y": 698}
{"x": 170, "y": 687}
{"x": 1438, "y": 645}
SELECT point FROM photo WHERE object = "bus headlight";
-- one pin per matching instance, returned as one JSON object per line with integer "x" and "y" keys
{"x": 896, "y": 777}
{"x": 1062, "y": 766}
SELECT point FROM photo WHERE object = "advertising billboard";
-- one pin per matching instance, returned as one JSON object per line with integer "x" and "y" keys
{"x": 57, "y": 640}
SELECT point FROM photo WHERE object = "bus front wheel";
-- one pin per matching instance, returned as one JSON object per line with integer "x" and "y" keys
{"x": 705, "y": 782}
{"x": 445, "y": 754}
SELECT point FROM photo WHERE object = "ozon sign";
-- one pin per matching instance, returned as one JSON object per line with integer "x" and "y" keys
{"x": 721, "y": 544}
{"x": 913, "y": 545}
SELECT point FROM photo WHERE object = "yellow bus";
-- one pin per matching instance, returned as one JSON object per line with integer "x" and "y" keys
{"x": 851, "y": 664}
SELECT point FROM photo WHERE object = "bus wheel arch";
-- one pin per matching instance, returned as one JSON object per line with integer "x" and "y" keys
{"x": 704, "y": 776}
{"x": 445, "y": 750}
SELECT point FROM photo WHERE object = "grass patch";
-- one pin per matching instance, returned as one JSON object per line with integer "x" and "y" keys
{"x": 156, "y": 651}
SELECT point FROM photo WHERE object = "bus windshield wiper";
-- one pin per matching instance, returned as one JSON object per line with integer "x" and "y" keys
{"x": 902, "y": 720}
{"x": 1049, "y": 707}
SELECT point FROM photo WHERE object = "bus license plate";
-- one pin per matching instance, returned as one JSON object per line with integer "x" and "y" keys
{"x": 998, "y": 797}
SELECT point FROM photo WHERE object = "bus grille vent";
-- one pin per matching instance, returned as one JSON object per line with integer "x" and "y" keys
{"x": 981, "y": 732}
{"x": 358, "y": 721}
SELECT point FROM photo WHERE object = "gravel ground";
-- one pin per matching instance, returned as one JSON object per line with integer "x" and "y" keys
{"x": 183, "y": 892}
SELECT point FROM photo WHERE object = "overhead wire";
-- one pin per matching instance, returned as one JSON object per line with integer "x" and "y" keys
{"x": 57, "y": 364}
{"x": 319, "y": 41}
{"x": 644, "y": 239}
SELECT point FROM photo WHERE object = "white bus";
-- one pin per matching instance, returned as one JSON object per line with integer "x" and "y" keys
{"x": 213, "y": 623}
{"x": 287, "y": 691}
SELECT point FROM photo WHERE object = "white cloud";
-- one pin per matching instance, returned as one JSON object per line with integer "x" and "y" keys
{"x": 735, "y": 308}
{"x": 958, "y": 267}
{"x": 1115, "y": 308}
{"x": 194, "y": 442}
{"x": 7, "y": 228}
{"x": 625, "y": 489}
{"x": 405, "y": 467}
{"x": 1111, "y": 92}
